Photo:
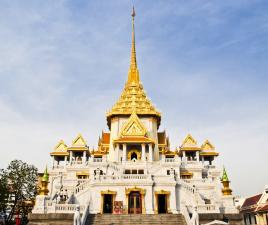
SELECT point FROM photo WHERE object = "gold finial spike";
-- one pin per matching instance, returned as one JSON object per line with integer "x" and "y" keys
{"x": 133, "y": 74}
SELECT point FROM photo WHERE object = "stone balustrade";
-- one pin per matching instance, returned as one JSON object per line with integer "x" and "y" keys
{"x": 62, "y": 208}
{"x": 207, "y": 208}
{"x": 134, "y": 176}
{"x": 169, "y": 160}
{"x": 195, "y": 181}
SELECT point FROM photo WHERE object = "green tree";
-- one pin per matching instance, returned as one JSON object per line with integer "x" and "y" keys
{"x": 18, "y": 188}
{"x": 3, "y": 192}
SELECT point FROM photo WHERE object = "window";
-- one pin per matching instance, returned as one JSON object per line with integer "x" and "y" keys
{"x": 134, "y": 171}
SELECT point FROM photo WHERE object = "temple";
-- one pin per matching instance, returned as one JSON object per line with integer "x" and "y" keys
{"x": 134, "y": 170}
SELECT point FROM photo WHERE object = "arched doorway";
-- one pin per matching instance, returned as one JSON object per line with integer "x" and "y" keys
{"x": 133, "y": 156}
{"x": 135, "y": 203}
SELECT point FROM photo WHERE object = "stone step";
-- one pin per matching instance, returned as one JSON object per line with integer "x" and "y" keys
{"x": 138, "y": 219}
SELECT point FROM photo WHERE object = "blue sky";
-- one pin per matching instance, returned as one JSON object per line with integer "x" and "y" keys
{"x": 203, "y": 63}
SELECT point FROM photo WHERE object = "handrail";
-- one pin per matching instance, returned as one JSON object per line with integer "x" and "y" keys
{"x": 81, "y": 187}
{"x": 85, "y": 215}
{"x": 185, "y": 212}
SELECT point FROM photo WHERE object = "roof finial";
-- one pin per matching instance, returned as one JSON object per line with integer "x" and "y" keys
{"x": 133, "y": 74}
{"x": 133, "y": 12}
{"x": 224, "y": 175}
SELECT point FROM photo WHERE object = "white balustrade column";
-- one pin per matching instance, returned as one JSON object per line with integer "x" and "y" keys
{"x": 124, "y": 152}
{"x": 203, "y": 160}
{"x": 150, "y": 153}
{"x": 143, "y": 157}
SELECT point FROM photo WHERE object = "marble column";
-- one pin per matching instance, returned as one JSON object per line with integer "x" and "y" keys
{"x": 53, "y": 161}
{"x": 150, "y": 153}
{"x": 197, "y": 156}
{"x": 84, "y": 157}
{"x": 184, "y": 156}
{"x": 71, "y": 157}
{"x": 143, "y": 156}
{"x": 124, "y": 153}
{"x": 117, "y": 153}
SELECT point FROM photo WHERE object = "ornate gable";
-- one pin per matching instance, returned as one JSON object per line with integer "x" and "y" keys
{"x": 60, "y": 149}
{"x": 79, "y": 144}
{"x": 207, "y": 146}
{"x": 189, "y": 143}
{"x": 133, "y": 127}
{"x": 79, "y": 141}
{"x": 208, "y": 149}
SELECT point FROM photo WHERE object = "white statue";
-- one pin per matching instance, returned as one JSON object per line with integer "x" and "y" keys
{"x": 195, "y": 217}
{"x": 77, "y": 219}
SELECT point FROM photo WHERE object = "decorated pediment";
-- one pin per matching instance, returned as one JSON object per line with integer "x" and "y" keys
{"x": 207, "y": 146}
{"x": 79, "y": 141}
{"x": 189, "y": 141}
{"x": 61, "y": 147}
{"x": 190, "y": 144}
{"x": 133, "y": 127}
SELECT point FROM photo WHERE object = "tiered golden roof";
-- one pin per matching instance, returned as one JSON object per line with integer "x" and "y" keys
{"x": 133, "y": 96}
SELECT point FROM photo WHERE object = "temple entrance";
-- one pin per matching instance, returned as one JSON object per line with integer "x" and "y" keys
{"x": 162, "y": 203}
{"x": 135, "y": 203}
{"x": 133, "y": 156}
{"x": 107, "y": 203}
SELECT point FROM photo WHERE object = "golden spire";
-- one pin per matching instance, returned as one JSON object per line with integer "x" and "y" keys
{"x": 225, "y": 182}
{"x": 133, "y": 73}
{"x": 133, "y": 97}
{"x": 44, "y": 183}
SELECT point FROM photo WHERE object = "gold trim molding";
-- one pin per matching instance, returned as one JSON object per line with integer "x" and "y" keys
{"x": 141, "y": 191}
{"x": 162, "y": 192}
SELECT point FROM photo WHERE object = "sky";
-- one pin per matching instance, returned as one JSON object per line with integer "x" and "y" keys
{"x": 204, "y": 64}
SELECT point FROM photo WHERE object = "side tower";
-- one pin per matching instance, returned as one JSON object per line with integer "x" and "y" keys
{"x": 133, "y": 120}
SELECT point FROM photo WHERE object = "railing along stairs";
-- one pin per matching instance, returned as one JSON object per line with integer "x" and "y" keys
{"x": 81, "y": 188}
{"x": 85, "y": 215}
